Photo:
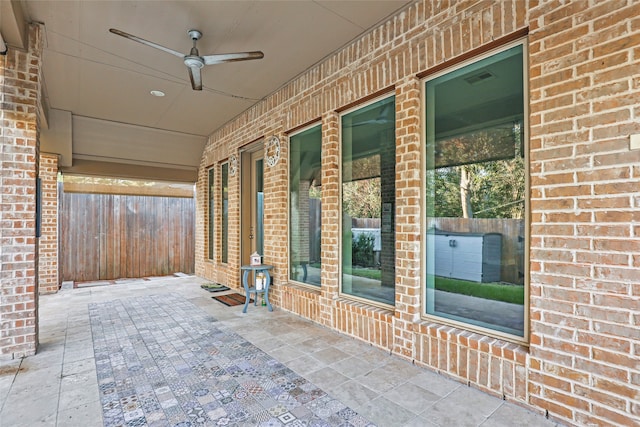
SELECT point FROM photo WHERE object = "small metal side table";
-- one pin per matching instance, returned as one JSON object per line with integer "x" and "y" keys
{"x": 246, "y": 269}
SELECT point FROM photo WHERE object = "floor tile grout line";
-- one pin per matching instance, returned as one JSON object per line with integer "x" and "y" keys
{"x": 15, "y": 375}
{"x": 491, "y": 414}
{"x": 64, "y": 354}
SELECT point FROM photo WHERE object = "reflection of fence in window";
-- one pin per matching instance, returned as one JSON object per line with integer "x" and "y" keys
{"x": 512, "y": 230}
{"x": 315, "y": 226}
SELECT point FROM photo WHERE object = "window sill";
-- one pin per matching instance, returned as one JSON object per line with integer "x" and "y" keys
{"x": 498, "y": 346}
{"x": 302, "y": 288}
{"x": 362, "y": 307}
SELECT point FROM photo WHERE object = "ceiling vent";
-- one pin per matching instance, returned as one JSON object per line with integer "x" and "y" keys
{"x": 479, "y": 77}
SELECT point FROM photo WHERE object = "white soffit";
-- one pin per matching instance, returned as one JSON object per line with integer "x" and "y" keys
{"x": 57, "y": 138}
{"x": 102, "y": 140}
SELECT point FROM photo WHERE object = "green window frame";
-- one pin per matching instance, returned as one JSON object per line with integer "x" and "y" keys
{"x": 477, "y": 194}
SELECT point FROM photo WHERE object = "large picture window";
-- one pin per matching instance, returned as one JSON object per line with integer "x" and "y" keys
{"x": 368, "y": 200}
{"x": 305, "y": 206}
{"x": 476, "y": 198}
{"x": 224, "y": 233}
{"x": 211, "y": 212}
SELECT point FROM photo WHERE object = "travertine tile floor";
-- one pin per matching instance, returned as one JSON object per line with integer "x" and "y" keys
{"x": 59, "y": 387}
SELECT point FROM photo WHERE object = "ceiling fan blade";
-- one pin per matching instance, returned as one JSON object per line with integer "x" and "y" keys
{"x": 196, "y": 78}
{"x": 231, "y": 57}
{"x": 146, "y": 42}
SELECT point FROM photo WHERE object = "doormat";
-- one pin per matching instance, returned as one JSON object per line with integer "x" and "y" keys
{"x": 231, "y": 300}
{"x": 214, "y": 287}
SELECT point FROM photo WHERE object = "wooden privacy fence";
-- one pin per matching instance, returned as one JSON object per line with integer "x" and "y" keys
{"x": 107, "y": 236}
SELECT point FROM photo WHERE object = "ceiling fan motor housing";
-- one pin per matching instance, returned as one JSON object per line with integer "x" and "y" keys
{"x": 192, "y": 61}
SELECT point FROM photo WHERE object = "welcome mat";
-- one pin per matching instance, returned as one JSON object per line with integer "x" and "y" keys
{"x": 231, "y": 300}
{"x": 214, "y": 287}
{"x": 162, "y": 361}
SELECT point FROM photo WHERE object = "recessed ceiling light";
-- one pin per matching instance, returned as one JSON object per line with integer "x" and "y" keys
{"x": 157, "y": 93}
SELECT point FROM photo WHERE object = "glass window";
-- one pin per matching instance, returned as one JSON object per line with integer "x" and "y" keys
{"x": 211, "y": 212}
{"x": 259, "y": 234}
{"x": 224, "y": 234}
{"x": 475, "y": 193}
{"x": 305, "y": 206}
{"x": 368, "y": 200}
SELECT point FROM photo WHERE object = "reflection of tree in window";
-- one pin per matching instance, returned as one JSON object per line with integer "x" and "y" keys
{"x": 361, "y": 196}
{"x": 488, "y": 188}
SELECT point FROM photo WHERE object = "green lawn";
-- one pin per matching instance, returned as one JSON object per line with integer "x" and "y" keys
{"x": 494, "y": 291}
{"x": 363, "y": 272}
{"x": 360, "y": 272}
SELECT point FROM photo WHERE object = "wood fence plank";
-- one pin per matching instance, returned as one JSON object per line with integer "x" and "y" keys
{"x": 102, "y": 240}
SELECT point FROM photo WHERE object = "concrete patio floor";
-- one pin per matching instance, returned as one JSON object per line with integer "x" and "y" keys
{"x": 59, "y": 387}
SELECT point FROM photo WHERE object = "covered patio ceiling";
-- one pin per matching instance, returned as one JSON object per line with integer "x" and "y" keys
{"x": 100, "y": 114}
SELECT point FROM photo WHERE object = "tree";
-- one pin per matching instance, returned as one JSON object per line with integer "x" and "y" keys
{"x": 479, "y": 175}
{"x": 361, "y": 199}
{"x": 361, "y": 193}
{"x": 465, "y": 192}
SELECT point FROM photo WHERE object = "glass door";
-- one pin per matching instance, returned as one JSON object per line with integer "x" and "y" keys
{"x": 252, "y": 217}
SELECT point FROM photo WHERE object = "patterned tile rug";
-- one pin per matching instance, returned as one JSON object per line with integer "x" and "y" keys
{"x": 161, "y": 361}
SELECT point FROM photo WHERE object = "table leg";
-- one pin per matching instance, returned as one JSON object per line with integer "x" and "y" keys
{"x": 266, "y": 290}
{"x": 245, "y": 284}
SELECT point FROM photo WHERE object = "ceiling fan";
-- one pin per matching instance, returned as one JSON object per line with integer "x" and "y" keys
{"x": 193, "y": 60}
{"x": 383, "y": 118}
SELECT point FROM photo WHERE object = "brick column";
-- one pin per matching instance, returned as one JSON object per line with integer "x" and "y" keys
{"x": 20, "y": 94}
{"x": 330, "y": 246}
{"x": 408, "y": 216}
{"x": 387, "y": 197}
{"x": 48, "y": 241}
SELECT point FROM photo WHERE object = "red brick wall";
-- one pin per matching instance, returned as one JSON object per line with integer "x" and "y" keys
{"x": 585, "y": 269}
{"x": 302, "y": 301}
{"x": 48, "y": 241}
{"x": 20, "y": 92}
{"x": 582, "y": 363}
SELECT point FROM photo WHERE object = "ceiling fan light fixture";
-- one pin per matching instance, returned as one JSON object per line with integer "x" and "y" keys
{"x": 158, "y": 93}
